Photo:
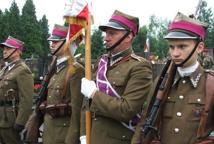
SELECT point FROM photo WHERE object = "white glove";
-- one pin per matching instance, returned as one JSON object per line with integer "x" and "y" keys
{"x": 83, "y": 139}
{"x": 88, "y": 87}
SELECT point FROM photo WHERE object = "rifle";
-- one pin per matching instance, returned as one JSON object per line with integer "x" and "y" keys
{"x": 149, "y": 130}
{"x": 36, "y": 119}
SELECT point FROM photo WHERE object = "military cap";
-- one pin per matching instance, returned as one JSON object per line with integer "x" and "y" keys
{"x": 122, "y": 21}
{"x": 12, "y": 42}
{"x": 59, "y": 33}
{"x": 184, "y": 27}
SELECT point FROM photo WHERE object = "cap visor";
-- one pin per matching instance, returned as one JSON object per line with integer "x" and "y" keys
{"x": 55, "y": 38}
{"x": 7, "y": 45}
{"x": 179, "y": 35}
{"x": 112, "y": 25}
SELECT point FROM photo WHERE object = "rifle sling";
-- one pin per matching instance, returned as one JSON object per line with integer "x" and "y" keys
{"x": 69, "y": 74}
{"x": 209, "y": 96}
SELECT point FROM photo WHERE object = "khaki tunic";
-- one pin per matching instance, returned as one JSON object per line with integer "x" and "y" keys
{"x": 16, "y": 82}
{"x": 132, "y": 80}
{"x": 182, "y": 110}
{"x": 64, "y": 129}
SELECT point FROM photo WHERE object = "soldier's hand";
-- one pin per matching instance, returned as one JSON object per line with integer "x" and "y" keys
{"x": 88, "y": 88}
{"x": 83, "y": 139}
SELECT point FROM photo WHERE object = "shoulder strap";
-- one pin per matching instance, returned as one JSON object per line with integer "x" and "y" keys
{"x": 209, "y": 93}
{"x": 69, "y": 74}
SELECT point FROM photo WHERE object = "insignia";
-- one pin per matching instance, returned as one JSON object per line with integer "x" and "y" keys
{"x": 196, "y": 80}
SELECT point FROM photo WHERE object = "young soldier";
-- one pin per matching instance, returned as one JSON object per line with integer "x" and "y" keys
{"x": 187, "y": 113}
{"x": 64, "y": 100}
{"x": 16, "y": 91}
{"x": 121, "y": 84}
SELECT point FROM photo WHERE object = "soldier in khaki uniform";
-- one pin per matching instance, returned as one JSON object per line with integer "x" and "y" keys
{"x": 122, "y": 82}
{"x": 189, "y": 103}
{"x": 16, "y": 91}
{"x": 64, "y": 99}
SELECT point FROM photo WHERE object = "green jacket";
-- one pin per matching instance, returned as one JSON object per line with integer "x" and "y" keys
{"x": 66, "y": 129}
{"x": 132, "y": 80}
{"x": 16, "y": 82}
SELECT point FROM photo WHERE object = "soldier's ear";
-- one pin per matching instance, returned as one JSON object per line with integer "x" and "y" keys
{"x": 200, "y": 47}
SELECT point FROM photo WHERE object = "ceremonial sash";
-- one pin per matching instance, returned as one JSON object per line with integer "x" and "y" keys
{"x": 104, "y": 86}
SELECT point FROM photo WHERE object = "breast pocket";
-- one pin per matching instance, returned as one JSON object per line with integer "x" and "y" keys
{"x": 118, "y": 84}
{"x": 168, "y": 108}
{"x": 196, "y": 106}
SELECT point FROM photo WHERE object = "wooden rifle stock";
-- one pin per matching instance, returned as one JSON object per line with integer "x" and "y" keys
{"x": 36, "y": 119}
{"x": 151, "y": 119}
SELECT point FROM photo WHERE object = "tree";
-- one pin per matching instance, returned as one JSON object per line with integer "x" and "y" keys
{"x": 157, "y": 31}
{"x": 140, "y": 40}
{"x": 14, "y": 21}
{"x": 205, "y": 14}
{"x": 45, "y": 34}
{"x": 97, "y": 46}
{"x": 31, "y": 31}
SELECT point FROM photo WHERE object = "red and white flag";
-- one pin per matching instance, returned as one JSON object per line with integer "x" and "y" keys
{"x": 147, "y": 46}
{"x": 76, "y": 13}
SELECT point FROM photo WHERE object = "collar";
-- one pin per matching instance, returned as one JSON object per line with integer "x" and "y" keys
{"x": 188, "y": 70}
{"x": 119, "y": 56}
{"x": 61, "y": 63}
{"x": 61, "y": 60}
{"x": 194, "y": 76}
{"x": 11, "y": 64}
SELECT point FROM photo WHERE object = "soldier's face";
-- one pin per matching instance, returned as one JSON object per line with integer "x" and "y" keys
{"x": 180, "y": 49}
{"x": 54, "y": 45}
{"x": 112, "y": 36}
{"x": 7, "y": 53}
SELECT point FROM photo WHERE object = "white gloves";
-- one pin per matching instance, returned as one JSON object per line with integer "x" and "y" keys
{"x": 83, "y": 139}
{"x": 88, "y": 87}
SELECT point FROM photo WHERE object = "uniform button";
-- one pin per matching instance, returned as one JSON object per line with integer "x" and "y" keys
{"x": 198, "y": 100}
{"x": 181, "y": 97}
{"x": 49, "y": 96}
{"x": 179, "y": 114}
{"x": 114, "y": 82}
{"x": 57, "y": 91}
{"x": 176, "y": 130}
{"x": 183, "y": 81}
{"x": 64, "y": 124}
{"x": 123, "y": 136}
{"x": 53, "y": 78}
{"x": 168, "y": 97}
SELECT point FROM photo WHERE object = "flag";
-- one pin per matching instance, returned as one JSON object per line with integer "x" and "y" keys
{"x": 147, "y": 46}
{"x": 76, "y": 14}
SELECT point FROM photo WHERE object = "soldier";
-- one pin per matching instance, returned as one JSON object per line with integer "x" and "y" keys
{"x": 16, "y": 91}
{"x": 64, "y": 99}
{"x": 187, "y": 114}
{"x": 121, "y": 83}
{"x": 207, "y": 61}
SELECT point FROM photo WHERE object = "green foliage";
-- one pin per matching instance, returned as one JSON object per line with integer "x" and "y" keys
{"x": 205, "y": 14}
{"x": 157, "y": 31}
{"x": 26, "y": 28}
{"x": 140, "y": 40}
{"x": 97, "y": 46}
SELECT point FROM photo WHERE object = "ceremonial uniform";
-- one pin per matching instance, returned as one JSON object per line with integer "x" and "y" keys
{"x": 56, "y": 127}
{"x": 123, "y": 81}
{"x": 16, "y": 91}
{"x": 64, "y": 100}
{"x": 186, "y": 115}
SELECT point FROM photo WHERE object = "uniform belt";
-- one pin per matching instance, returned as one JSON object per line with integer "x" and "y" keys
{"x": 6, "y": 103}
{"x": 56, "y": 110}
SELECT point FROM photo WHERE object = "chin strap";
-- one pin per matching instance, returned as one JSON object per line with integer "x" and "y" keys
{"x": 119, "y": 41}
{"x": 10, "y": 55}
{"x": 59, "y": 47}
{"x": 190, "y": 55}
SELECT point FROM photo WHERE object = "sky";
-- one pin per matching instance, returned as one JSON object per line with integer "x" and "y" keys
{"x": 103, "y": 9}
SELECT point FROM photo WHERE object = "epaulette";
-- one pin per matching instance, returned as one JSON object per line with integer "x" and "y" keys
{"x": 25, "y": 66}
{"x": 211, "y": 72}
{"x": 139, "y": 58}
